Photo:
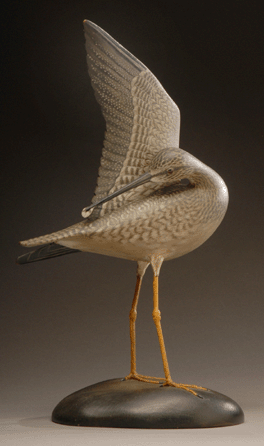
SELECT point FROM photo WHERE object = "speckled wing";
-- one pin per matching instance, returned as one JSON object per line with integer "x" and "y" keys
{"x": 141, "y": 118}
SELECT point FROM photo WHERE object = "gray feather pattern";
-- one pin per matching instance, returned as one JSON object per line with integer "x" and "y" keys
{"x": 140, "y": 117}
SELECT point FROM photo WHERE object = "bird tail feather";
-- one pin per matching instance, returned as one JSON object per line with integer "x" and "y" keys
{"x": 45, "y": 252}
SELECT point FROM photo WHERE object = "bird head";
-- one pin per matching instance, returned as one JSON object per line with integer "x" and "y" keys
{"x": 170, "y": 166}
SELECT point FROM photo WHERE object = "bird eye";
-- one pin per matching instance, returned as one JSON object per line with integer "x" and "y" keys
{"x": 170, "y": 171}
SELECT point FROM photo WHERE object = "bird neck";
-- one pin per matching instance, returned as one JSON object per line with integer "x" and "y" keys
{"x": 211, "y": 193}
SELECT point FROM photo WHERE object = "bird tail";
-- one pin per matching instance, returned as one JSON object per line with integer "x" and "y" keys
{"x": 45, "y": 252}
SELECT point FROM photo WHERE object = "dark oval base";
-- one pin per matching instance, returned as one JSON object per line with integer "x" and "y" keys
{"x": 135, "y": 404}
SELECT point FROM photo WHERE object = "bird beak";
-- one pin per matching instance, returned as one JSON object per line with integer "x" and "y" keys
{"x": 140, "y": 180}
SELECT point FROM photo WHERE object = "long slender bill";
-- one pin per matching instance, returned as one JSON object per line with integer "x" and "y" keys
{"x": 140, "y": 180}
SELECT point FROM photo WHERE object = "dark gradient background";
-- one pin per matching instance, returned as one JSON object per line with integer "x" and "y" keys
{"x": 64, "y": 322}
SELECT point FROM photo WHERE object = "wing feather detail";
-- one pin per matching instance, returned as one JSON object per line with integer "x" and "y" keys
{"x": 141, "y": 118}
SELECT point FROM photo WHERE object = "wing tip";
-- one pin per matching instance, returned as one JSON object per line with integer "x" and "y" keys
{"x": 91, "y": 28}
{"x": 22, "y": 260}
{"x": 45, "y": 252}
{"x": 88, "y": 23}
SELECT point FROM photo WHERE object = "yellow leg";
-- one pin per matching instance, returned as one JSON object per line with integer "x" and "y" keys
{"x": 156, "y": 263}
{"x": 132, "y": 322}
{"x": 142, "y": 266}
{"x": 157, "y": 317}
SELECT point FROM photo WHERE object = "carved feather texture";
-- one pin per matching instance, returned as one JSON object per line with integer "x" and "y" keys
{"x": 141, "y": 118}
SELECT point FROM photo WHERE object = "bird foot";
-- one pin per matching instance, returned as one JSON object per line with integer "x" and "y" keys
{"x": 165, "y": 382}
{"x": 145, "y": 378}
{"x": 187, "y": 387}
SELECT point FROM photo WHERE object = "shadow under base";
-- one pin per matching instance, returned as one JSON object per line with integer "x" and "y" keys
{"x": 135, "y": 404}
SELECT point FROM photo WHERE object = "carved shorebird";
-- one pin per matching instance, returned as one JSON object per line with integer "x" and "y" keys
{"x": 153, "y": 201}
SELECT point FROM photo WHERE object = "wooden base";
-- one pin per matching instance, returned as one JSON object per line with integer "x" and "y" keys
{"x": 135, "y": 404}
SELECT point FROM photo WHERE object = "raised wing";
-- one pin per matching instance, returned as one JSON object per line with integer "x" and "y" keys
{"x": 141, "y": 118}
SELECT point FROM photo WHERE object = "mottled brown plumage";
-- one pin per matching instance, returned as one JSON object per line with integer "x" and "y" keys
{"x": 153, "y": 201}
